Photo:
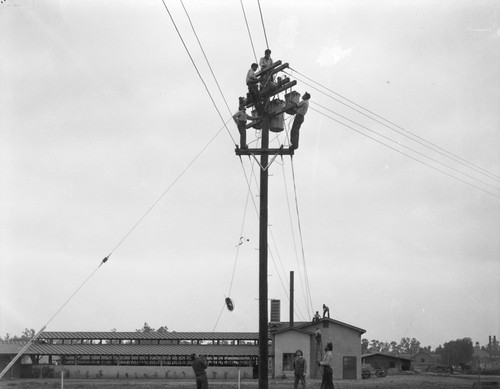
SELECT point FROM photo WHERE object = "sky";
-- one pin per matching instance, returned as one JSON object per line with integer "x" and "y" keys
{"x": 116, "y": 141}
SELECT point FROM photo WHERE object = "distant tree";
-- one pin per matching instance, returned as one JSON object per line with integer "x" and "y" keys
{"x": 146, "y": 328}
{"x": 374, "y": 346}
{"x": 406, "y": 346}
{"x": 365, "y": 344}
{"x": 385, "y": 347}
{"x": 162, "y": 330}
{"x": 27, "y": 334}
{"x": 393, "y": 347}
{"x": 456, "y": 352}
{"x": 409, "y": 346}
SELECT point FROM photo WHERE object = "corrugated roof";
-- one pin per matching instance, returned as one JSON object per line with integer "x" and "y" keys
{"x": 152, "y": 335}
{"x": 126, "y": 349}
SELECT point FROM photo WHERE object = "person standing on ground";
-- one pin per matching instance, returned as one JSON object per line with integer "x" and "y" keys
{"x": 300, "y": 369}
{"x": 199, "y": 366}
{"x": 301, "y": 110}
{"x": 327, "y": 363}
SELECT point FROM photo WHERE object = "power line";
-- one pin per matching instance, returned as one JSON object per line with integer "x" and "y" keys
{"x": 248, "y": 29}
{"x": 394, "y": 127}
{"x": 407, "y": 155}
{"x": 409, "y": 148}
{"x": 263, "y": 25}
{"x": 206, "y": 59}
{"x": 196, "y": 68}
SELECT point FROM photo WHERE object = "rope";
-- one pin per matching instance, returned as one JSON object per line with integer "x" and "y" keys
{"x": 308, "y": 290}
{"x": 30, "y": 342}
{"x": 169, "y": 187}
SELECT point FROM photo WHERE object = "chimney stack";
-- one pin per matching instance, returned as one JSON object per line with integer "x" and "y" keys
{"x": 275, "y": 311}
{"x": 291, "y": 299}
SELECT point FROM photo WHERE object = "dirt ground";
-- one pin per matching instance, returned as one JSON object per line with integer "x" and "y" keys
{"x": 389, "y": 382}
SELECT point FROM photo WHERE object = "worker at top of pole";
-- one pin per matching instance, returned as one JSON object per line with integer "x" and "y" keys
{"x": 301, "y": 110}
{"x": 265, "y": 63}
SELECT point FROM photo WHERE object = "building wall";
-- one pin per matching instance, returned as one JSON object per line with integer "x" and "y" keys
{"x": 139, "y": 372}
{"x": 290, "y": 342}
{"x": 14, "y": 371}
{"x": 423, "y": 360}
{"x": 346, "y": 343}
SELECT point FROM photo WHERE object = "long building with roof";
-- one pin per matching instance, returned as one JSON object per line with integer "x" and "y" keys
{"x": 133, "y": 354}
{"x": 166, "y": 355}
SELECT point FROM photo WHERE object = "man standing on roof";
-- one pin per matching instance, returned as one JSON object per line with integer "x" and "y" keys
{"x": 301, "y": 110}
{"x": 326, "y": 311}
{"x": 265, "y": 63}
{"x": 199, "y": 365}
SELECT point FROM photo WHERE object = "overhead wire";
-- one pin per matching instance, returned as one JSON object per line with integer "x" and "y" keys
{"x": 272, "y": 236}
{"x": 263, "y": 24}
{"x": 204, "y": 55}
{"x": 196, "y": 68}
{"x": 394, "y": 127}
{"x": 248, "y": 29}
{"x": 208, "y": 91}
{"x": 406, "y": 154}
{"x": 407, "y": 147}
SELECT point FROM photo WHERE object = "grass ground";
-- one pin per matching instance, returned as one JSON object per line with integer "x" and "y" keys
{"x": 389, "y": 382}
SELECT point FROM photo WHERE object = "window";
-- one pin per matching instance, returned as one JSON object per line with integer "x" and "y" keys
{"x": 288, "y": 361}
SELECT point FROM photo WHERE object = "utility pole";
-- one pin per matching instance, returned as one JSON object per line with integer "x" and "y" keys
{"x": 264, "y": 151}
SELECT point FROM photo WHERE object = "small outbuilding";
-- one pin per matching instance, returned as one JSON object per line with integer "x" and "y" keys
{"x": 386, "y": 360}
{"x": 311, "y": 338}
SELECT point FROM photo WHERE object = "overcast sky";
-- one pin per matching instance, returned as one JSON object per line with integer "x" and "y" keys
{"x": 105, "y": 123}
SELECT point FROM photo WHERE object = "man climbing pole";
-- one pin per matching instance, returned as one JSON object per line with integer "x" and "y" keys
{"x": 265, "y": 63}
{"x": 301, "y": 110}
{"x": 252, "y": 82}
{"x": 317, "y": 336}
{"x": 240, "y": 118}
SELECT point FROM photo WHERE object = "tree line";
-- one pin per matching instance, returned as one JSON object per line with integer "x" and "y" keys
{"x": 454, "y": 352}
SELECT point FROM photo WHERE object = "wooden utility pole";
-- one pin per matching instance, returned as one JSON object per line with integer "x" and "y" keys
{"x": 263, "y": 290}
{"x": 264, "y": 151}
